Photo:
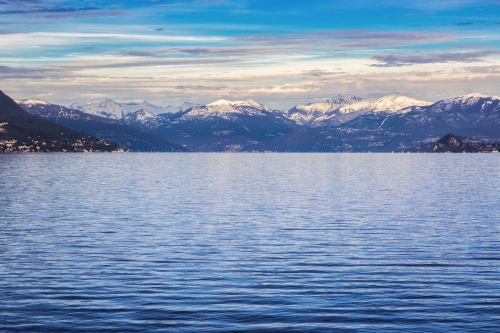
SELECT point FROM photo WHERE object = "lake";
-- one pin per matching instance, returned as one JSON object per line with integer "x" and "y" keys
{"x": 250, "y": 243}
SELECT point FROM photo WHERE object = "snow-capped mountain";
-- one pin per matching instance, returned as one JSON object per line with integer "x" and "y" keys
{"x": 226, "y": 109}
{"x": 340, "y": 109}
{"x": 472, "y": 103}
{"x": 21, "y": 131}
{"x": 45, "y": 109}
{"x": 391, "y": 123}
{"x": 468, "y": 115}
{"x": 115, "y": 110}
{"x": 108, "y": 129}
{"x": 134, "y": 107}
{"x": 306, "y": 114}
{"x": 179, "y": 108}
{"x": 107, "y": 109}
{"x": 385, "y": 127}
{"x": 392, "y": 103}
{"x": 144, "y": 119}
{"x": 468, "y": 111}
{"x": 32, "y": 102}
{"x": 226, "y": 126}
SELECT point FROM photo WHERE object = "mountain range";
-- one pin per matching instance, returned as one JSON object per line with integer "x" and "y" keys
{"x": 226, "y": 126}
{"x": 473, "y": 115}
{"x": 340, "y": 109}
{"x": 393, "y": 122}
{"x": 131, "y": 138}
{"x": 115, "y": 110}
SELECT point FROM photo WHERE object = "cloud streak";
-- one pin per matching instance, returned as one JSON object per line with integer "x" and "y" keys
{"x": 397, "y": 60}
{"x": 145, "y": 63}
{"x": 48, "y": 10}
{"x": 53, "y": 9}
{"x": 350, "y": 38}
{"x": 32, "y": 73}
{"x": 325, "y": 43}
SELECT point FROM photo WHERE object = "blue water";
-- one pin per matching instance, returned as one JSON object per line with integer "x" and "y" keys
{"x": 250, "y": 243}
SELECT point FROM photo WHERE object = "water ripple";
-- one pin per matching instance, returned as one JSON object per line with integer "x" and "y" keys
{"x": 250, "y": 243}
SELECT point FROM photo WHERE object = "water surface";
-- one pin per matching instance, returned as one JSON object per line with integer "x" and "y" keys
{"x": 250, "y": 243}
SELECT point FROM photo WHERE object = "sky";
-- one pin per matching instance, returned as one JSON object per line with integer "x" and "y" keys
{"x": 280, "y": 53}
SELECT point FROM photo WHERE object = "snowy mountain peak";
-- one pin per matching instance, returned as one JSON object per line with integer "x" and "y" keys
{"x": 32, "y": 101}
{"x": 249, "y": 102}
{"x": 475, "y": 95}
{"x": 341, "y": 100}
{"x": 395, "y": 102}
{"x": 111, "y": 109}
{"x": 141, "y": 115}
{"x": 328, "y": 105}
{"x": 226, "y": 109}
{"x": 473, "y": 98}
{"x": 143, "y": 103}
{"x": 109, "y": 102}
{"x": 306, "y": 114}
{"x": 144, "y": 112}
{"x": 465, "y": 101}
{"x": 106, "y": 108}
{"x": 179, "y": 108}
{"x": 220, "y": 102}
{"x": 144, "y": 119}
{"x": 395, "y": 94}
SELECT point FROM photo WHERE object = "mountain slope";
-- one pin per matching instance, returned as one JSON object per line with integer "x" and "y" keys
{"x": 21, "y": 131}
{"x": 105, "y": 128}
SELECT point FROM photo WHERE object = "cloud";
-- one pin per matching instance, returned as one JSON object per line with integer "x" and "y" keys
{"x": 278, "y": 90}
{"x": 170, "y": 90}
{"x": 338, "y": 39}
{"x": 11, "y": 70}
{"x": 26, "y": 72}
{"x": 145, "y": 63}
{"x": 299, "y": 43}
{"x": 54, "y": 9}
{"x": 14, "y": 3}
{"x": 207, "y": 51}
{"x": 397, "y": 60}
{"x": 483, "y": 69}
{"x": 8, "y": 32}
{"x": 322, "y": 43}
{"x": 47, "y": 10}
